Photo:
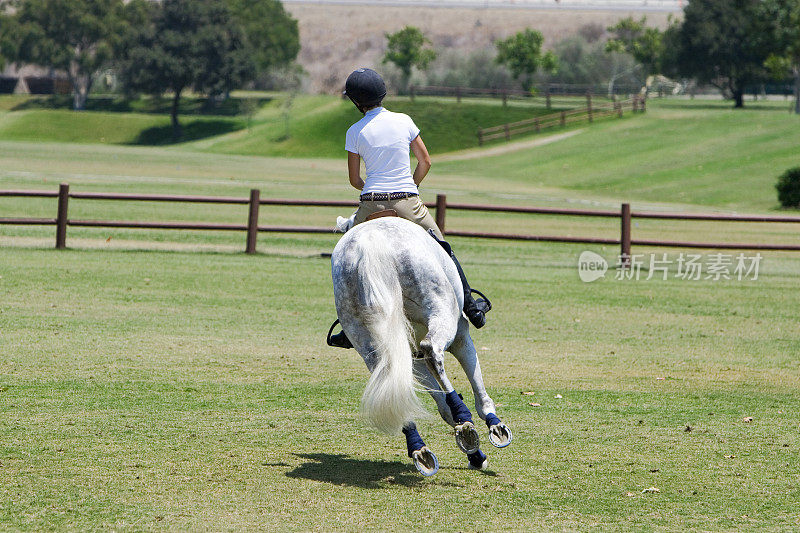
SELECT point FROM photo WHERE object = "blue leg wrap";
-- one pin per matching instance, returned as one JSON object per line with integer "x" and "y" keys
{"x": 476, "y": 459}
{"x": 457, "y": 407}
{"x": 491, "y": 419}
{"x": 413, "y": 441}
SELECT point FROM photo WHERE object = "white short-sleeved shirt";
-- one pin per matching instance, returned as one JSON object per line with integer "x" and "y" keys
{"x": 382, "y": 139}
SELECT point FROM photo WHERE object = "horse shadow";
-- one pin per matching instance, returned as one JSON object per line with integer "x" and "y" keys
{"x": 340, "y": 469}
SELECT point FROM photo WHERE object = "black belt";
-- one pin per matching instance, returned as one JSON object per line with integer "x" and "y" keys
{"x": 386, "y": 196}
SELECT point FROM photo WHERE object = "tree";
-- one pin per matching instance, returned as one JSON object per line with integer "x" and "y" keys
{"x": 272, "y": 34}
{"x": 635, "y": 38}
{"x": 187, "y": 44}
{"x": 582, "y": 62}
{"x": 522, "y": 54}
{"x": 406, "y": 49}
{"x": 76, "y": 36}
{"x": 785, "y": 61}
{"x": 7, "y": 38}
{"x": 723, "y": 43}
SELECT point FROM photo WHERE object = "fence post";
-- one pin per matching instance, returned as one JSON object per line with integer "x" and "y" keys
{"x": 536, "y": 124}
{"x": 411, "y": 92}
{"x": 505, "y": 97}
{"x": 480, "y": 137}
{"x": 644, "y": 104}
{"x": 563, "y": 118}
{"x": 625, "y": 236}
{"x": 547, "y": 97}
{"x": 441, "y": 208}
{"x": 458, "y": 94}
{"x": 252, "y": 221}
{"x": 61, "y": 219}
{"x": 507, "y": 131}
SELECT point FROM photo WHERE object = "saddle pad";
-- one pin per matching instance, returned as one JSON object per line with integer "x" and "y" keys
{"x": 384, "y": 213}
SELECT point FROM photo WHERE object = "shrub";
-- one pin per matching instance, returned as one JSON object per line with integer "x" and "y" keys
{"x": 789, "y": 188}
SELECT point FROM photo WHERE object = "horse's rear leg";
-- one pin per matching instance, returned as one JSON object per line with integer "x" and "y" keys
{"x": 464, "y": 351}
{"x": 426, "y": 379}
{"x": 431, "y": 348}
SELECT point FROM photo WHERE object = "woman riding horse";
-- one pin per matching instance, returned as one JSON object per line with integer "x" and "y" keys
{"x": 383, "y": 138}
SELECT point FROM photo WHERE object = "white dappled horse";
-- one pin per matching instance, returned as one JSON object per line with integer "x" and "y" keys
{"x": 399, "y": 300}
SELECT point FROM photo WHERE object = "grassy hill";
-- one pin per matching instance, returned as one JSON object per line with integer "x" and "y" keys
{"x": 108, "y": 128}
{"x": 280, "y": 125}
{"x": 110, "y": 121}
{"x": 317, "y": 125}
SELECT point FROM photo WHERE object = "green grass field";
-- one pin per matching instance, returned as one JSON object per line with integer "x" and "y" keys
{"x": 154, "y": 380}
{"x": 172, "y": 390}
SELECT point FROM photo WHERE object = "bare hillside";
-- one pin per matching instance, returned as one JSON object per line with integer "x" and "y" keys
{"x": 338, "y": 38}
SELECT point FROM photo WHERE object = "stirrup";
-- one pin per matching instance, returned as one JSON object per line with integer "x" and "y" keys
{"x": 330, "y": 339}
{"x": 483, "y": 301}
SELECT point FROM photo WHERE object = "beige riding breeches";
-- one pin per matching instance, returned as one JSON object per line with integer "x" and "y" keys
{"x": 408, "y": 208}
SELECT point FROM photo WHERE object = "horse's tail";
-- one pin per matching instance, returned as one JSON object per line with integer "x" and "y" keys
{"x": 390, "y": 398}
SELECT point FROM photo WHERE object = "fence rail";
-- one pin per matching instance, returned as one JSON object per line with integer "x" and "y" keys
{"x": 545, "y": 92}
{"x": 589, "y": 113}
{"x": 252, "y": 227}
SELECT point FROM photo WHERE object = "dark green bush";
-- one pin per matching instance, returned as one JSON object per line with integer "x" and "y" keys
{"x": 789, "y": 188}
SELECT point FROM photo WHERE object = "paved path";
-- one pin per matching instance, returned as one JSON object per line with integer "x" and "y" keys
{"x": 478, "y": 153}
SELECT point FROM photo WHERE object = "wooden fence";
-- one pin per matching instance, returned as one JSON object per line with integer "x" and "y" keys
{"x": 589, "y": 113}
{"x": 252, "y": 227}
{"x": 546, "y": 93}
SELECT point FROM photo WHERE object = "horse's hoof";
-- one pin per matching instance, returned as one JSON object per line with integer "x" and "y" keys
{"x": 478, "y": 460}
{"x": 500, "y": 436}
{"x": 425, "y": 461}
{"x": 467, "y": 438}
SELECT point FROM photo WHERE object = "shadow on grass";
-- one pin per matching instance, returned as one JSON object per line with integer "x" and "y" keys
{"x": 192, "y": 131}
{"x": 341, "y": 469}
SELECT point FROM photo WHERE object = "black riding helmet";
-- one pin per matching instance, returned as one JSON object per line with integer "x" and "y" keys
{"x": 365, "y": 87}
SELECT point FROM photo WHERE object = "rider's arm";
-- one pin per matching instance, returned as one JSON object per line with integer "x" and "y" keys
{"x": 354, "y": 169}
{"x": 423, "y": 159}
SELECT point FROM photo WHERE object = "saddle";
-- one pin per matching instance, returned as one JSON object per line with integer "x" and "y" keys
{"x": 384, "y": 213}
